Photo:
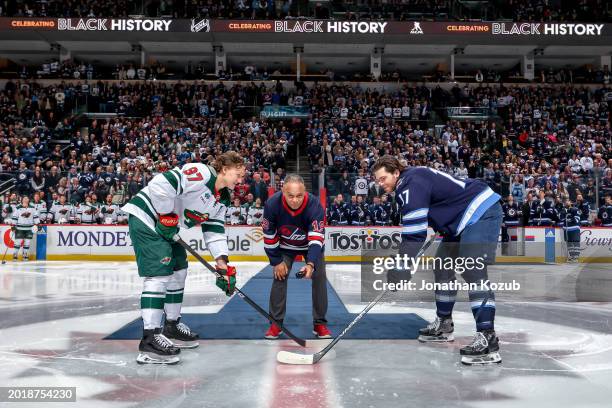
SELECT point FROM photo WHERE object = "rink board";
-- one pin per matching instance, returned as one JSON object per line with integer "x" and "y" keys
{"x": 342, "y": 244}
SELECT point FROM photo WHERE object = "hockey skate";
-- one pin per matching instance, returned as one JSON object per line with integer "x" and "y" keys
{"x": 155, "y": 348}
{"x": 180, "y": 334}
{"x": 440, "y": 330}
{"x": 484, "y": 349}
{"x": 15, "y": 257}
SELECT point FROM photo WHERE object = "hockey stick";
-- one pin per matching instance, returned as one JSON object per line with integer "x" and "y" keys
{"x": 288, "y": 357}
{"x": 262, "y": 312}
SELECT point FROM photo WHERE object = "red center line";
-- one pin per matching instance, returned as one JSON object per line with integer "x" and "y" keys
{"x": 299, "y": 386}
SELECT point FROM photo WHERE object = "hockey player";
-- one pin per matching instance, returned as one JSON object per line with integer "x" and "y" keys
{"x": 122, "y": 216}
{"x": 605, "y": 212}
{"x": 255, "y": 213}
{"x": 585, "y": 210}
{"x": 292, "y": 226}
{"x": 25, "y": 223}
{"x": 543, "y": 211}
{"x": 570, "y": 219}
{"x": 235, "y": 214}
{"x": 380, "y": 216}
{"x": 41, "y": 207}
{"x": 61, "y": 212}
{"x": 468, "y": 215}
{"x": 88, "y": 212}
{"x": 9, "y": 208}
{"x": 387, "y": 206}
{"x": 360, "y": 215}
{"x": 194, "y": 195}
{"x": 109, "y": 211}
{"x": 512, "y": 215}
{"x": 338, "y": 212}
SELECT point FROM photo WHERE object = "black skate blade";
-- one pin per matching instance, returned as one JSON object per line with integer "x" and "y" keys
{"x": 486, "y": 359}
{"x": 151, "y": 358}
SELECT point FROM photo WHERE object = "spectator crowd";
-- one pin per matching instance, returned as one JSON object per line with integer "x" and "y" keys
{"x": 549, "y": 143}
{"x": 539, "y": 145}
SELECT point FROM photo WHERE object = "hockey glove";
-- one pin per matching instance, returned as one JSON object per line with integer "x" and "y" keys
{"x": 167, "y": 226}
{"x": 223, "y": 284}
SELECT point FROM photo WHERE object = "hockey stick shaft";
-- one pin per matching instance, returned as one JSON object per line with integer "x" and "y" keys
{"x": 373, "y": 303}
{"x": 255, "y": 306}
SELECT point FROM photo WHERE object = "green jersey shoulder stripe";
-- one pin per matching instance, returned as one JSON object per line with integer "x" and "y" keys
{"x": 147, "y": 199}
{"x": 171, "y": 178}
{"x": 177, "y": 174}
{"x": 139, "y": 202}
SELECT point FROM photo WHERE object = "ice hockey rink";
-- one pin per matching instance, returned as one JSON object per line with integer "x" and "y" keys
{"x": 56, "y": 316}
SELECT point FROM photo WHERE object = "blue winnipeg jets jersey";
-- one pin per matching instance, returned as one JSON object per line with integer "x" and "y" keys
{"x": 605, "y": 215}
{"x": 293, "y": 232}
{"x": 570, "y": 218}
{"x": 429, "y": 197}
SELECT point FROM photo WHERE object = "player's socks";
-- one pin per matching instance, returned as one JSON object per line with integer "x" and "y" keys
{"x": 484, "y": 313}
{"x": 441, "y": 329}
{"x": 484, "y": 349}
{"x": 155, "y": 348}
{"x": 180, "y": 334}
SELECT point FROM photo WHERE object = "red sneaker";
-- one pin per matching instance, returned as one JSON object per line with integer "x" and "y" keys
{"x": 273, "y": 332}
{"x": 321, "y": 331}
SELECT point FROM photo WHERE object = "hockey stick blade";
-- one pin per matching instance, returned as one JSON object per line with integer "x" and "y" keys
{"x": 287, "y": 357}
{"x": 301, "y": 358}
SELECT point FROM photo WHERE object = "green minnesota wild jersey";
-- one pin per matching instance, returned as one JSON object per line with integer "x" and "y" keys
{"x": 190, "y": 193}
